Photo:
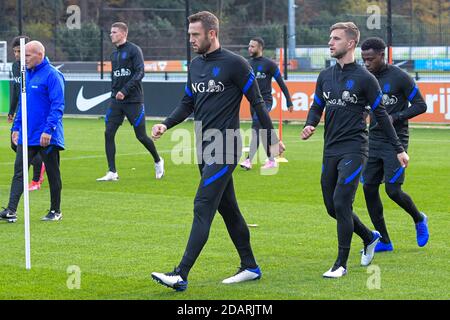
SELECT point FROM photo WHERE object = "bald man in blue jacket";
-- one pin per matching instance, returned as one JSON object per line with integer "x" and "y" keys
{"x": 45, "y": 109}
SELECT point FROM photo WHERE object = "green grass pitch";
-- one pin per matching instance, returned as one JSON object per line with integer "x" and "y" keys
{"x": 117, "y": 233}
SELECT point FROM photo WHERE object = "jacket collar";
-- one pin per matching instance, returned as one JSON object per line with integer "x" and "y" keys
{"x": 122, "y": 45}
{"x": 44, "y": 63}
{"x": 210, "y": 55}
{"x": 347, "y": 66}
{"x": 257, "y": 58}
{"x": 382, "y": 70}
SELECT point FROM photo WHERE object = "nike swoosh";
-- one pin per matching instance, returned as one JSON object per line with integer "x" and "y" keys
{"x": 84, "y": 104}
{"x": 399, "y": 64}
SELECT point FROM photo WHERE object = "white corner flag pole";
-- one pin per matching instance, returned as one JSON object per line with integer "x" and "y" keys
{"x": 26, "y": 199}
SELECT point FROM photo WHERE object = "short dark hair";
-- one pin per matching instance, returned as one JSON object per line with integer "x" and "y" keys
{"x": 351, "y": 30}
{"x": 16, "y": 40}
{"x": 259, "y": 40}
{"x": 121, "y": 25}
{"x": 375, "y": 43}
{"x": 209, "y": 21}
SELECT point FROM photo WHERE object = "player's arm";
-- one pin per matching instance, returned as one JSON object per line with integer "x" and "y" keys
{"x": 180, "y": 114}
{"x": 14, "y": 101}
{"x": 111, "y": 57}
{"x": 375, "y": 97}
{"x": 137, "y": 59}
{"x": 56, "y": 97}
{"x": 245, "y": 79}
{"x": 315, "y": 112}
{"x": 418, "y": 105}
{"x": 279, "y": 79}
{"x": 17, "y": 124}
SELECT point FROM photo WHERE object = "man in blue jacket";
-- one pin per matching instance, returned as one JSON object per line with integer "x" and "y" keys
{"x": 45, "y": 108}
{"x": 38, "y": 166}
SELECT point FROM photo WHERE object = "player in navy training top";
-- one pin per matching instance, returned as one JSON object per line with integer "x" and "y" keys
{"x": 127, "y": 99}
{"x": 346, "y": 91}
{"x": 399, "y": 91}
{"x": 265, "y": 70}
{"x": 217, "y": 80}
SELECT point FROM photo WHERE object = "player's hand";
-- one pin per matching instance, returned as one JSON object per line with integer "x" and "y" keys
{"x": 45, "y": 139}
{"x": 307, "y": 132}
{"x": 291, "y": 109}
{"x": 277, "y": 149}
{"x": 403, "y": 158}
{"x": 10, "y": 118}
{"x": 281, "y": 147}
{"x": 158, "y": 130}
{"x": 15, "y": 137}
{"x": 120, "y": 96}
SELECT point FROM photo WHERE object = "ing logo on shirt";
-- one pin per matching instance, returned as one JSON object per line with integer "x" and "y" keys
{"x": 122, "y": 73}
{"x": 347, "y": 97}
{"x": 389, "y": 100}
{"x": 212, "y": 86}
{"x": 261, "y": 75}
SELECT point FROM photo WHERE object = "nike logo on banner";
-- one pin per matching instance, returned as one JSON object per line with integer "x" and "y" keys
{"x": 84, "y": 104}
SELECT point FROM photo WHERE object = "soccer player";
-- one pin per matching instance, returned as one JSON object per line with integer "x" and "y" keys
{"x": 45, "y": 109}
{"x": 264, "y": 69}
{"x": 344, "y": 91}
{"x": 38, "y": 165}
{"x": 217, "y": 79}
{"x": 399, "y": 90}
{"x": 127, "y": 99}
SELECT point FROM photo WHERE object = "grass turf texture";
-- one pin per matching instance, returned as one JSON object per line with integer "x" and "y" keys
{"x": 117, "y": 233}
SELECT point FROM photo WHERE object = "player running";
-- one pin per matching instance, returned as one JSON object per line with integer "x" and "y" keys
{"x": 264, "y": 69}
{"x": 344, "y": 91}
{"x": 399, "y": 90}
{"x": 217, "y": 79}
{"x": 127, "y": 99}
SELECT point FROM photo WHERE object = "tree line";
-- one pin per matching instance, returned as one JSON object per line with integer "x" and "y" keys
{"x": 158, "y": 25}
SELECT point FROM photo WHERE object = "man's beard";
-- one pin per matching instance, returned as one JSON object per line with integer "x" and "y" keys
{"x": 339, "y": 54}
{"x": 204, "y": 48}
